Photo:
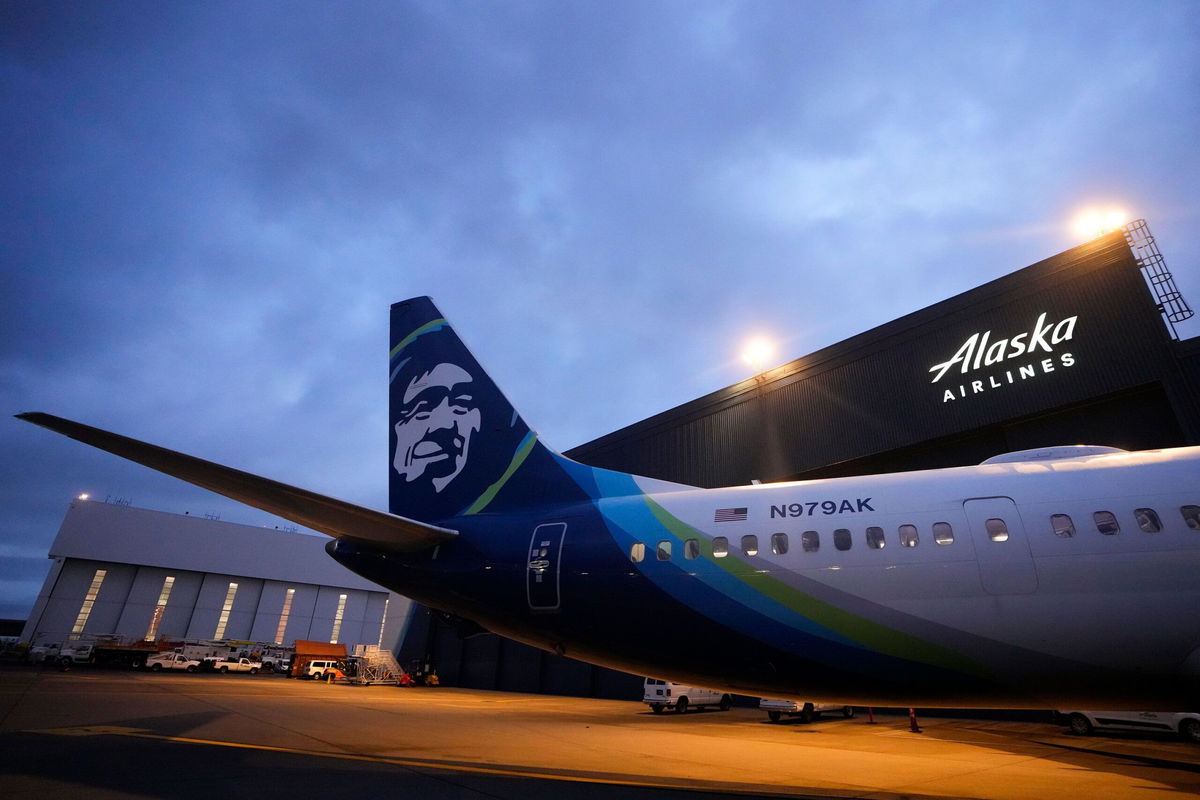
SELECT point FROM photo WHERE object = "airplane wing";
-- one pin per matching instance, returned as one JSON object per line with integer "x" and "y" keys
{"x": 328, "y": 515}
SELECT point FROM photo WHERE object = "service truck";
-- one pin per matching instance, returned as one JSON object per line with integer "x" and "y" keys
{"x": 233, "y": 665}
{"x": 806, "y": 711}
{"x": 171, "y": 661}
{"x": 680, "y": 697}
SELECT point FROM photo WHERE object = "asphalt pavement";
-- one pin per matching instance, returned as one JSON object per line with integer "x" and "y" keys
{"x": 132, "y": 734}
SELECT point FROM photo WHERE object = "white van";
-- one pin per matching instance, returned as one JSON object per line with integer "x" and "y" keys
{"x": 680, "y": 697}
{"x": 1183, "y": 723}
{"x": 319, "y": 670}
{"x": 806, "y": 711}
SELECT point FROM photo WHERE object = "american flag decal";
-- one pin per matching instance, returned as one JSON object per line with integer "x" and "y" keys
{"x": 730, "y": 515}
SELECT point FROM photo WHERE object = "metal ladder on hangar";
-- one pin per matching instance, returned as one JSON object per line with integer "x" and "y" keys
{"x": 1154, "y": 267}
{"x": 375, "y": 666}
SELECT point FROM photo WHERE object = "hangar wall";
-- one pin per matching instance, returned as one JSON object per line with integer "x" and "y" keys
{"x": 124, "y": 556}
{"x": 1056, "y": 353}
{"x": 1072, "y": 349}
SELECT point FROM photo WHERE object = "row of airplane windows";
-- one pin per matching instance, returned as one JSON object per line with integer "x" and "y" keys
{"x": 1106, "y": 522}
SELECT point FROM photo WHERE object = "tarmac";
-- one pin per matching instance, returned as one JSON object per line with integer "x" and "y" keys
{"x": 132, "y": 734}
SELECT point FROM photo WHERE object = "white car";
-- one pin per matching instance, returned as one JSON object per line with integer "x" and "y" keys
{"x": 680, "y": 697}
{"x": 806, "y": 711}
{"x": 1184, "y": 723}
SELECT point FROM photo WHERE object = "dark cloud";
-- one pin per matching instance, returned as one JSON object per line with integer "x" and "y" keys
{"x": 208, "y": 207}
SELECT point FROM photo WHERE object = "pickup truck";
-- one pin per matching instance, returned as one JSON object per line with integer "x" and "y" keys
{"x": 680, "y": 697}
{"x": 79, "y": 654}
{"x": 171, "y": 661}
{"x": 806, "y": 711}
{"x": 233, "y": 665}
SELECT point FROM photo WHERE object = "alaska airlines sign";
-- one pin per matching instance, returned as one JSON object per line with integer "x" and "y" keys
{"x": 997, "y": 359}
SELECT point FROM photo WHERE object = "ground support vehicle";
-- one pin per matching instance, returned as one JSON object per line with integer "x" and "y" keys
{"x": 375, "y": 665}
{"x": 806, "y": 711}
{"x": 109, "y": 650}
{"x": 1183, "y": 723}
{"x": 680, "y": 697}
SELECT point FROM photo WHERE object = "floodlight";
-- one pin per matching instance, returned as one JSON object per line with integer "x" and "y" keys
{"x": 1093, "y": 222}
{"x": 757, "y": 353}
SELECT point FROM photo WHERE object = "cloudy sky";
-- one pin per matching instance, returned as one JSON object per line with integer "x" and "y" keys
{"x": 208, "y": 207}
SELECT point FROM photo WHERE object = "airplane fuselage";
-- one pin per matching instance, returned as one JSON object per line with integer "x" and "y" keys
{"x": 889, "y": 588}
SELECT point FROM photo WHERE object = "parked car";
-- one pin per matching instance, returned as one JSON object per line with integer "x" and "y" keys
{"x": 680, "y": 697}
{"x": 1184, "y": 723}
{"x": 807, "y": 711}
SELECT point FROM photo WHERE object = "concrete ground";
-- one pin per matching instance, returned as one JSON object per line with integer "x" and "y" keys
{"x": 117, "y": 734}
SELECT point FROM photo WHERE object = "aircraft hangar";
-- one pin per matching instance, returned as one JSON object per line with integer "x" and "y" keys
{"x": 1079, "y": 348}
{"x": 142, "y": 574}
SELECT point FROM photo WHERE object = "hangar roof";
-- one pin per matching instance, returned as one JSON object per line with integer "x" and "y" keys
{"x": 123, "y": 534}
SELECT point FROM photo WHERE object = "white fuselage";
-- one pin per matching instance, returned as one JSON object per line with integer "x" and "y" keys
{"x": 1095, "y": 561}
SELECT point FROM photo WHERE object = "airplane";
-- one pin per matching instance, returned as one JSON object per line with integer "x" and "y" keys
{"x": 1065, "y": 577}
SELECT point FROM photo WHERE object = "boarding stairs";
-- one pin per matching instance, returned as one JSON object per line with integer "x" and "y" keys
{"x": 375, "y": 665}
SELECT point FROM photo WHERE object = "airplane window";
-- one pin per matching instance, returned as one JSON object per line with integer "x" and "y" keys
{"x": 810, "y": 541}
{"x": 997, "y": 531}
{"x": 720, "y": 547}
{"x": 779, "y": 543}
{"x": 943, "y": 533}
{"x": 1147, "y": 520}
{"x": 1191, "y": 515}
{"x": 875, "y": 538}
{"x": 1062, "y": 525}
{"x": 908, "y": 536}
{"x": 750, "y": 544}
{"x": 1106, "y": 523}
{"x": 691, "y": 548}
{"x": 841, "y": 539}
{"x": 637, "y": 552}
{"x": 664, "y": 550}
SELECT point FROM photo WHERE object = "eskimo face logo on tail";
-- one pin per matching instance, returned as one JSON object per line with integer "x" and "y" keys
{"x": 456, "y": 443}
{"x": 438, "y": 416}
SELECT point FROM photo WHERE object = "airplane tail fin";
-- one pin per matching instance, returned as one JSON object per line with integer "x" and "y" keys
{"x": 457, "y": 447}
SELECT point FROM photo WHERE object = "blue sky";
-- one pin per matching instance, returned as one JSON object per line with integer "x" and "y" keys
{"x": 210, "y": 206}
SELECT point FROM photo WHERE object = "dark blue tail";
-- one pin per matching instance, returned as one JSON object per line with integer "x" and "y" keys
{"x": 458, "y": 447}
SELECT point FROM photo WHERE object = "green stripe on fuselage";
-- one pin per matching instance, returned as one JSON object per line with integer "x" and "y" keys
{"x": 867, "y": 633}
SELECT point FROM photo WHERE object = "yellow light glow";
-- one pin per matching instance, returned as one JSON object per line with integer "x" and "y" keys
{"x": 1096, "y": 222}
{"x": 84, "y": 496}
{"x": 758, "y": 353}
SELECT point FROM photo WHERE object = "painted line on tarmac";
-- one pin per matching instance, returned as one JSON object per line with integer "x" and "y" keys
{"x": 699, "y": 786}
